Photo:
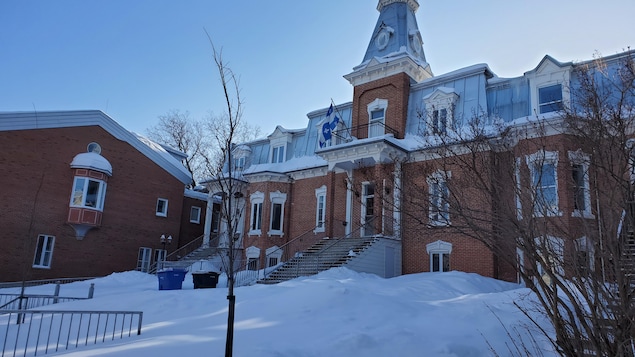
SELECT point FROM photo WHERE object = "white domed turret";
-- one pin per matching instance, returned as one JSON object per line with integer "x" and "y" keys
{"x": 92, "y": 161}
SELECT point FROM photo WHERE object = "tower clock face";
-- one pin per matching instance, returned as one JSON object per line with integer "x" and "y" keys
{"x": 382, "y": 39}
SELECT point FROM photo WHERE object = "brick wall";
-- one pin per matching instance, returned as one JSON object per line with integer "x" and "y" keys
{"x": 35, "y": 193}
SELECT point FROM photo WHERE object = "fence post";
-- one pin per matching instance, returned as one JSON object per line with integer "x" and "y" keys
{"x": 56, "y": 294}
{"x": 91, "y": 290}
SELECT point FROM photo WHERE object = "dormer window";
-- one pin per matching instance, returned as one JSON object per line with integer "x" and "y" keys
{"x": 439, "y": 122}
{"x": 377, "y": 117}
{"x": 239, "y": 157}
{"x": 278, "y": 142}
{"x": 439, "y": 114}
{"x": 239, "y": 164}
{"x": 550, "y": 98}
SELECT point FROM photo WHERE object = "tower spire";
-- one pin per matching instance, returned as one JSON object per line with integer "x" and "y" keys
{"x": 396, "y": 41}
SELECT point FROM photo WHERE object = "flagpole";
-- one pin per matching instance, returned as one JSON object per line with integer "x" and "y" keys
{"x": 348, "y": 130}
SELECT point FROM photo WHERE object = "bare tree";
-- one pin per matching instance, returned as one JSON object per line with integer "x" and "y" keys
{"x": 179, "y": 131}
{"x": 227, "y": 184}
{"x": 572, "y": 241}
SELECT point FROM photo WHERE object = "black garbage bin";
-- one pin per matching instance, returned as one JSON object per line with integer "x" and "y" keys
{"x": 204, "y": 280}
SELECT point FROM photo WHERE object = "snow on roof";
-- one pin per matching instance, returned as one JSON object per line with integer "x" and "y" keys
{"x": 295, "y": 164}
{"x": 159, "y": 149}
{"x": 92, "y": 161}
{"x": 198, "y": 195}
{"x": 10, "y": 121}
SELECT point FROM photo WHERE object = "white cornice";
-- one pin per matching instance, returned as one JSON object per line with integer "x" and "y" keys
{"x": 267, "y": 176}
{"x": 362, "y": 154}
{"x": 375, "y": 70}
{"x": 413, "y": 4}
{"x": 309, "y": 173}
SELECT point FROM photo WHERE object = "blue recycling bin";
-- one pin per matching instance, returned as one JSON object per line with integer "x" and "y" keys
{"x": 171, "y": 279}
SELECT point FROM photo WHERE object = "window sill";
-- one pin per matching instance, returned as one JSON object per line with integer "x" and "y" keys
{"x": 319, "y": 230}
{"x": 41, "y": 267}
{"x": 432, "y": 224}
{"x": 255, "y": 233}
{"x": 161, "y": 215}
{"x": 582, "y": 214}
{"x": 275, "y": 233}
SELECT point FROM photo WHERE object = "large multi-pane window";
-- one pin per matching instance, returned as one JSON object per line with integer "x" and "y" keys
{"x": 255, "y": 224}
{"x": 550, "y": 98}
{"x": 276, "y": 223}
{"x": 439, "y": 121}
{"x": 320, "y": 209}
{"x": 439, "y": 194}
{"x": 368, "y": 208}
{"x": 43, "y": 251}
{"x": 277, "y": 154}
{"x": 144, "y": 259}
{"x": 544, "y": 183}
{"x": 88, "y": 193}
{"x": 580, "y": 184}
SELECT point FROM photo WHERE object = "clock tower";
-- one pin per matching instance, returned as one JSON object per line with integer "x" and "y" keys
{"x": 394, "y": 60}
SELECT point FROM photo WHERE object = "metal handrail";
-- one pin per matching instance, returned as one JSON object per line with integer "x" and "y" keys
{"x": 316, "y": 257}
{"x": 284, "y": 251}
{"x": 44, "y": 331}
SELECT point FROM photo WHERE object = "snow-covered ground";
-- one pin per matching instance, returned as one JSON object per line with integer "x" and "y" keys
{"x": 335, "y": 313}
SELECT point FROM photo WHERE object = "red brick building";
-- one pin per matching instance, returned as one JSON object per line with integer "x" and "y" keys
{"x": 82, "y": 196}
{"x": 395, "y": 164}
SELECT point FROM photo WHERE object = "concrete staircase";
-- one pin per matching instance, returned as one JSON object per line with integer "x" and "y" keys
{"x": 323, "y": 255}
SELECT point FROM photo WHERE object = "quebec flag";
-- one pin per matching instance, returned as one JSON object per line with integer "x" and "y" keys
{"x": 330, "y": 123}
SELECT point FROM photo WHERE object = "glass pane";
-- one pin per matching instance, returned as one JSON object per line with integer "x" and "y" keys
{"x": 377, "y": 114}
{"x": 38, "y": 251}
{"x": 435, "y": 262}
{"x": 78, "y": 192}
{"x": 92, "y": 193}
{"x": 276, "y": 219}
{"x": 550, "y": 94}
{"x": 446, "y": 262}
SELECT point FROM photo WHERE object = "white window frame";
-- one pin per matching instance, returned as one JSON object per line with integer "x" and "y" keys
{"x": 439, "y": 101}
{"x": 278, "y": 154}
{"x": 144, "y": 259}
{"x": 320, "y": 209}
{"x": 239, "y": 164}
{"x": 79, "y": 196}
{"x": 578, "y": 158}
{"x": 197, "y": 216}
{"x": 536, "y": 162}
{"x": 439, "y": 198}
{"x": 439, "y": 248}
{"x": 368, "y": 226}
{"x": 253, "y": 257}
{"x": 377, "y": 126}
{"x": 44, "y": 251}
{"x": 274, "y": 255}
{"x": 164, "y": 211}
{"x": 275, "y": 199}
{"x": 257, "y": 203}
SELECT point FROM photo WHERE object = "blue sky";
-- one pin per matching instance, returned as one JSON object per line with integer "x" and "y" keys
{"x": 138, "y": 59}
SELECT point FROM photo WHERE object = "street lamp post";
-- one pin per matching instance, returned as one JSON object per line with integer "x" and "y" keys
{"x": 165, "y": 241}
